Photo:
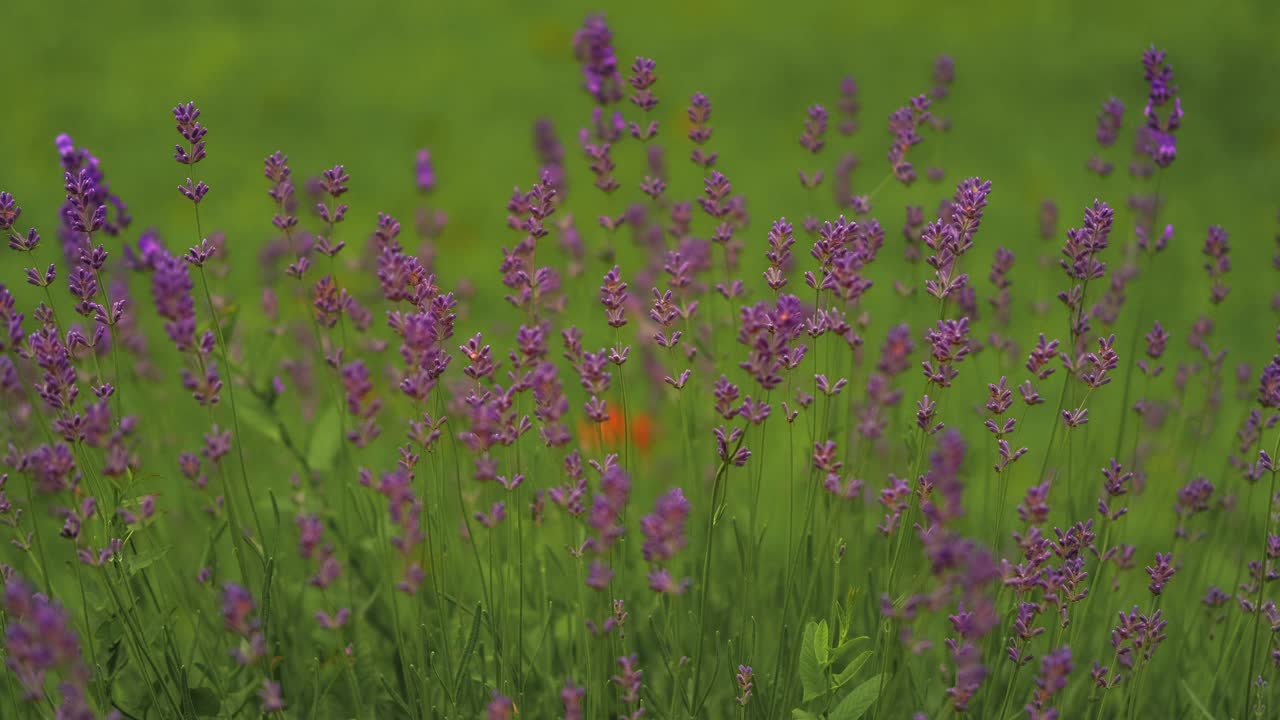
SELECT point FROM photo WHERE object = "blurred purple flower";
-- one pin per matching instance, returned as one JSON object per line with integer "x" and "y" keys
{"x": 593, "y": 47}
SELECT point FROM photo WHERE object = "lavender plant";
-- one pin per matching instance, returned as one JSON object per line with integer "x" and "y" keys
{"x": 703, "y": 497}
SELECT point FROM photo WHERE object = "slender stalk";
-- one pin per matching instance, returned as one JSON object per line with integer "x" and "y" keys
{"x": 235, "y": 414}
{"x": 705, "y": 580}
{"x": 1269, "y": 506}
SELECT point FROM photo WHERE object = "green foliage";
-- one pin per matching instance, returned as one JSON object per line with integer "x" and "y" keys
{"x": 507, "y": 609}
{"x": 326, "y": 440}
{"x": 820, "y": 678}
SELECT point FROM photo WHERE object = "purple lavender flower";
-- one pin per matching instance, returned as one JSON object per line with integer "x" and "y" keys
{"x": 1085, "y": 243}
{"x": 700, "y": 132}
{"x": 424, "y": 171}
{"x": 572, "y": 696}
{"x": 642, "y": 80}
{"x": 550, "y": 154}
{"x": 1194, "y": 497}
{"x": 272, "y": 700}
{"x": 815, "y": 128}
{"x": 1034, "y": 508}
{"x": 188, "y": 122}
{"x": 1215, "y": 598}
{"x": 333, "y": 182}
{"x": 949, "y": 240}
{"x": 1217, "y": 249}
{"x": 664, "y": 530}
{"x": 1115, "y": 484}
{"x": 848, "y": 105}
{"x": 593, "y": 47}
{"x": 781, "y": 239}
{"x": 1161, "y": 572}
{"x": 613, "y": 296}
{"x": 9, "y": 212}
{"x": 1269, "y": 384}
{"x": 599, "y": 576}
{"x": 1100, "y": 364}
{"x": 1048, "y": 220}
{"x": 1136, "y": 637}
{"x": 745, "y": 678}
{"x": 729, "y": 447}
{"x": 904, "y": 125}
{"x": 969, "y": 672}
{"x": 1110, "y": 118}
{"x": 189, "y": 127}
{"x": 40, "y": 640}
{"x": 608, "y": 506}
{"x": 949, "y": 344}
{"x": 276, "y": 169}
{"x": 500, "y": 707}
{"x": 945, "y": 464}
{"x": 944, "y": 74}
{"x": 1161, "y": 143}
{"x": 171, "y": 288}
{"x": 90, "y": 203}
{"x": 628, "y": 679}
{"x": 361, "y": 403}
{"x": 1054, "y": 669}
{"x": 57, "y": 386}
{"x": 602, "y": 167}
{"x": 239, "y": 617}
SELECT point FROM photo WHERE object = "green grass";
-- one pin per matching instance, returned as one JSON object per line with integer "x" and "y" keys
{"x": 367, "y": 86}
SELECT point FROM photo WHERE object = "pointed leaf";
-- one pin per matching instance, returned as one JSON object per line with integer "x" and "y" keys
{"x": 326, "y": 439}
{"x": 147, "y": 558}
{"x": 205, "y": 701}
{"x": 741, "y": 545}
{"x": 845, "y": 612}
{"x": 822, "y": 644}
{"x": 251, "y": 413}
{"x": 1195, "y": 701}
{"x": 812, "y": 676}
{"x": 852, "y": 668}
{"x": 470, "y": 647}
{"x": 846, "y": 646}
{"x": 858, "y": 701}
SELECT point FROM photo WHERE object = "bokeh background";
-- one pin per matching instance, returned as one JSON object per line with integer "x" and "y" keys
{"x": 366, "y": 84}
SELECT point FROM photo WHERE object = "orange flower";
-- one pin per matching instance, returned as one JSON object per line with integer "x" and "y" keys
{"x": 637, "y": 427}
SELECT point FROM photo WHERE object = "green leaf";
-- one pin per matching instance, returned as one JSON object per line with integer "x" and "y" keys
{"x": 822, "y": 644}
{"x": 858, "y": 701}
{"x": 395, "y": 696}
{"x": 117, "y": 657}
{"x": 1195, "y": 701}
{"x": 799, "y": 714}
{"x": 259, "y": 420}
{"x": 741, "y": 543}
{"x": 470, "y": 647}
{"x": 326, "y": 439}
{"x": 846, "y": 646}
{"x": 110, "y": 631}
{"x": 206, "y": 702}
{"x": 230, "y": 317}
{"x": 147, "y": 558}
{"x": 852, "y": 668}
{"x": 812, "y": 676}
{"x": 911, "y": 442}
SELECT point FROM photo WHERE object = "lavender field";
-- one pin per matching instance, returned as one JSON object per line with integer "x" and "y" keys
{"x": 877, "y": 398}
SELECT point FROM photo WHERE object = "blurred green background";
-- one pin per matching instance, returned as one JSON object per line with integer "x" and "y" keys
{"x": 366, "y": 84}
